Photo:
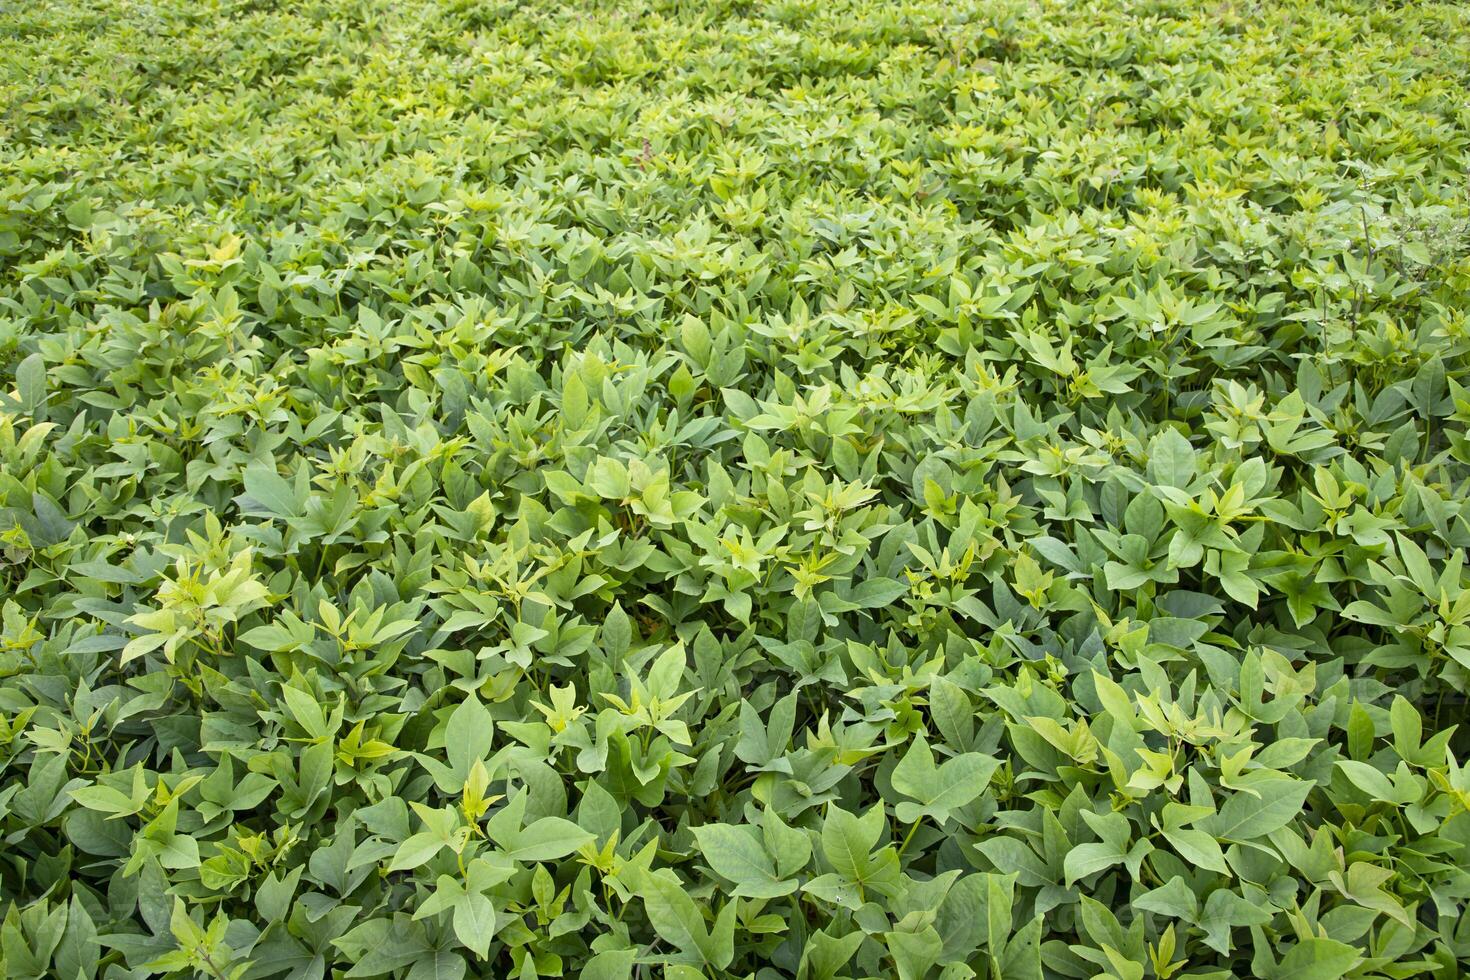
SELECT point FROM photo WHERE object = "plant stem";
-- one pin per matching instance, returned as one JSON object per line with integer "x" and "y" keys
{"x": 910, "y": 836}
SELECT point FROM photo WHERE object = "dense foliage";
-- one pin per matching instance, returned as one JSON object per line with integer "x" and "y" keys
{"x": 734, "y": 490}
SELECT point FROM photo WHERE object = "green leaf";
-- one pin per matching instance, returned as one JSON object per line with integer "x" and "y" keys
{"x": 1368, "y": 779}
{"x": 274, "y": 495}
{"x": 613, "y": 964}
{"x": 415, "y": 851}
{"x": 474, "y": 923}
{"x": 877, "y": 593}
{"x": 676, "y": 918}
{"x": 1317, "y": 959}
{"x": 1172, "y": 460}
{"x": 1087, "y": 859}
{"x": 30, "y": 383}
{"x": 1247, "y": 817}
{"x": 468, "y": 736}
{"x": 1198, "y": 849}
{"x": 939, "y": 789}
{"x": 547, "y": 839}
{"x": 848, "y": 840}
{"x": 736, "y": 853}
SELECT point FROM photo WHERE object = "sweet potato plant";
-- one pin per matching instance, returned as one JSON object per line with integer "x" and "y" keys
{"x": 739, "y": 490}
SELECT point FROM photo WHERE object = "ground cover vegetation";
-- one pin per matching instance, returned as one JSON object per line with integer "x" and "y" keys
{"x": 743, "y": 489}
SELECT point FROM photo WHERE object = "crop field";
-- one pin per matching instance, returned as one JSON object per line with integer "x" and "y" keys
{"x": 741, "y": 490}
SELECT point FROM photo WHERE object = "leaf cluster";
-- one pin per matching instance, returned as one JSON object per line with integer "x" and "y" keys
{"x": 746, "y": 490}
